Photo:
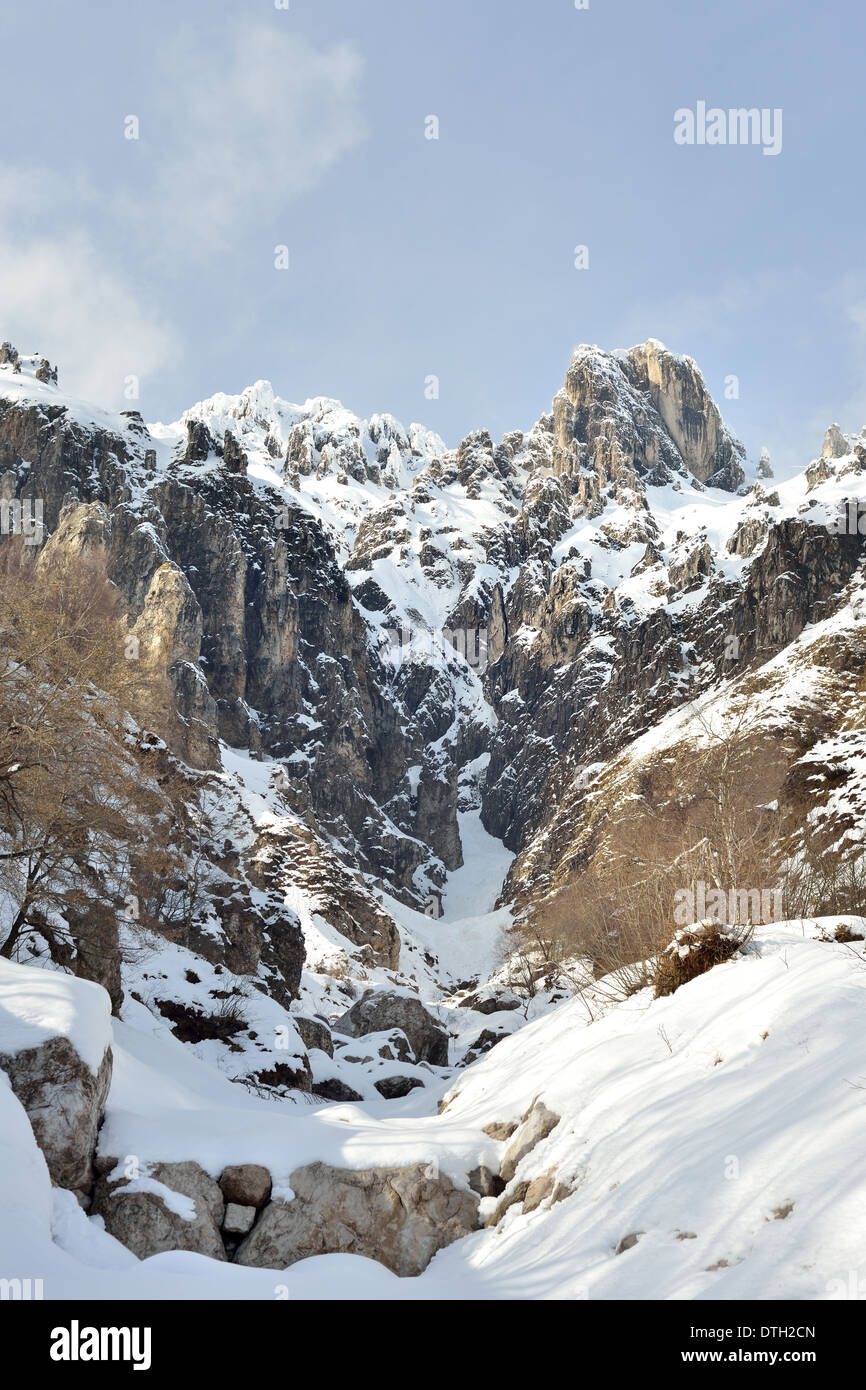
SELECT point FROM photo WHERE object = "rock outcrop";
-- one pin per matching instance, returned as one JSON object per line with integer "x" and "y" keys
{"x": 535, "y": 1126}
{"x": 55, "y": 1047}
{"x": 380, "y": 1010}
{"x": 64, "y": 1101}
{"x": 169, "y": 1206}
{"x": 398, "y": 1216}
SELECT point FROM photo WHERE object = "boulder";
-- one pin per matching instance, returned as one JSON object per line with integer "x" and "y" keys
{"x": 538, "y": 1191}
{"x": 486, "y": 1039}
{"x": 485, "y": 1181}
{"x": 246, "y": 1184}
{"x": 314, "y": 1033}
{"x": 65, "y": 1103}
{"x": 395, "y": 1047}
{"x": 171, "y": 1206}
{"x": 493, "y": 1004}
{"x": 499, "y": 1130}
{"x": 381, "y": 1010}
{"x": 512, "y": 1197}
{"x": 395, "y": 1087}
{"x": 398, "y": 1216}
{"x": 334, "y": 1089}
{"x": 238, "y": 1220}
{"x": 627, "y": 1242}
{"x": 55, "y": 1049}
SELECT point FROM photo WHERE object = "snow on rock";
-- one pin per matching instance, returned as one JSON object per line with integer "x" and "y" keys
{"x": 165, "y": 1206}
{"x": 398, "y": 1216}
{"x": 702, "y": 1145}
{"x": 36, "y": 1005}
{"x": 55, "y": 1049}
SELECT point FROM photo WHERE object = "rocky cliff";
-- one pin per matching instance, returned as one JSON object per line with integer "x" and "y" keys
{"x": 399, "y": 634}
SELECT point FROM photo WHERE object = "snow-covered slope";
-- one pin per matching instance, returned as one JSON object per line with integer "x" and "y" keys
{"x": 722, "y": 1127}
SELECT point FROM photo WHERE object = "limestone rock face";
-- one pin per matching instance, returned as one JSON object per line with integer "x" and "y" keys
{"x": 148, "y": 1215}
{"x": 64, "y": 1101}
{"x": 253, "y": 618}
{"x": 302, "y": 858}
{"x": 62, "y": 456}
{"x": 379, "y": 1011}
{"x": 690, "y": 415}
{"x": 170, "y": 623}
{"x": 398, "y": 1216}
{"x": 835, "y": 444}
{"x": 273, "y": 614}
{"x": 644, "y": 412}
{"x": 497, "y": 630}
{"x": 436, "y": 815}
{"x": 696, "y": 565}
{"x": 749, "y": 536}
{"x": 164, "y": 618}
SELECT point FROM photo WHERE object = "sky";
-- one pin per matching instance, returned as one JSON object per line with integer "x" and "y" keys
{"x": 153, "y": 157}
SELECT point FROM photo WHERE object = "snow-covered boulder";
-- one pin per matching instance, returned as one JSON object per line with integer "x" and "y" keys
{"x": 167, "y": 1206}
{"x": 55, "y": 1047}
{"x": 397, "y": 1216}
{"x": 381, "y": 1010}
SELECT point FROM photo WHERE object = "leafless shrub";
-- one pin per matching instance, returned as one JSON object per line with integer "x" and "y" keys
{"x": 693, "y": 952}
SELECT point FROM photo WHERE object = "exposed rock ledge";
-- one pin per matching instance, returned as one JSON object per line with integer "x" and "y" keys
{"x": 397, "y": 1216}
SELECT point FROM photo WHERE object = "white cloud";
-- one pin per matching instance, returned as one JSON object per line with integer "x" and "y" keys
{"x": 244, "y": 120}
{"x": 59, "y": 298}
{"x": 242, "y": 127}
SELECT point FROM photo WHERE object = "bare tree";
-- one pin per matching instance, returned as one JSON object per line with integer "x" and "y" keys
{"x": 73, "y": 802}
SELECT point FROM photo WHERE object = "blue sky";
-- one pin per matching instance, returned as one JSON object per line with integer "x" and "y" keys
{"x": 454, "y": 257}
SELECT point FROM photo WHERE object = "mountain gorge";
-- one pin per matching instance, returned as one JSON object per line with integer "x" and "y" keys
{"x": 396, "y": 707}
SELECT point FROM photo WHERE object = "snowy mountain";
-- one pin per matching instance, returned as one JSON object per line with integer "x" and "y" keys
{"x": 401, "y": 711}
